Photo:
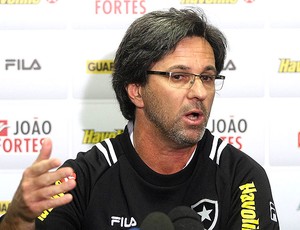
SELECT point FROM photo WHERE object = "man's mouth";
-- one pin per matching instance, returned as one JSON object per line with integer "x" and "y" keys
{"x": 193, "y": 116}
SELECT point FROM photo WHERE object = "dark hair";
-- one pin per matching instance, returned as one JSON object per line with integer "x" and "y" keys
{"x": 151, "y": 37}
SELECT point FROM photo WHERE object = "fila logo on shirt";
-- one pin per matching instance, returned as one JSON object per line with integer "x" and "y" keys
{"x": 273, "y": 213}
{"x": 120, "y": 221}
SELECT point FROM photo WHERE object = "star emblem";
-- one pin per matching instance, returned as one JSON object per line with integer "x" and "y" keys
{"x": 205, "y": 214}
{"x": 208, "y": 210}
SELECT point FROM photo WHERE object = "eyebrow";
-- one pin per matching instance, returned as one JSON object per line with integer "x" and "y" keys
{"x": 210, "y": 67}
{"x": 181, "y": 67}
{"x": 186, "y": 68}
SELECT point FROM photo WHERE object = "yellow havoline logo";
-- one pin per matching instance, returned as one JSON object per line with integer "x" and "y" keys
{"x": 19, "y": 1}
{"x": 99, "y": 66}
{"x": 208, "y": 1}
{"x": 4, "y": 206}
{"x": 289, "y": 66}
{"x": 93, "y": 137}
{"x": 248, "y": 211}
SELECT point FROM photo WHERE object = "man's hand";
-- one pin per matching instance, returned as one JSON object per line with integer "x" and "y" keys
{"x": 35, "y": 190}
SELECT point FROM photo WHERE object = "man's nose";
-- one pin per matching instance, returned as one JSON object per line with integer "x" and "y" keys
{"x": 198, "y": 89}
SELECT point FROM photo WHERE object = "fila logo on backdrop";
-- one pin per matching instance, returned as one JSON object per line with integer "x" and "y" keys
{"x": 119, "y": 7}
{"x": 22, "y": 64}
{"x": 229, "y": 65}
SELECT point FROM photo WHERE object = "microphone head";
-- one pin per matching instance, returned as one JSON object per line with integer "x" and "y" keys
{"x": 184, "y": 217}
{"x": 157, "y": 221}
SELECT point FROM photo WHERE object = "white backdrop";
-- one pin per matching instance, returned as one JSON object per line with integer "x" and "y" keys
{"x": 55, "y": 70}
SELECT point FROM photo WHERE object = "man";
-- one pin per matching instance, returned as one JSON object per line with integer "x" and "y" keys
{"x": 166, "y": 74}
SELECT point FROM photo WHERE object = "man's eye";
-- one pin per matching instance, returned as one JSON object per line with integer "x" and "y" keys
{"x": 207, "y": 78}
{"x": 179, "y": 77}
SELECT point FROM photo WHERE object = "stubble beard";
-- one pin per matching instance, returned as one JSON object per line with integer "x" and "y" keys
{"x": 173, "y": 129}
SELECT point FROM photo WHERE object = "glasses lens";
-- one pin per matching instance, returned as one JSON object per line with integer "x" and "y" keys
{"x": 219, "y": 84}
{"x": 180, "y": 80}
{"x": 186, "y": 80}
{"x": 208, "y": 81}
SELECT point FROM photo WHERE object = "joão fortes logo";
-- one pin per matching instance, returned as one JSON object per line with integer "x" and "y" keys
{"x": 24, "y": 136}
{"x": 230, "y": 130}
{"x": 3, "y": 128}
{"x": 127, "y": 7}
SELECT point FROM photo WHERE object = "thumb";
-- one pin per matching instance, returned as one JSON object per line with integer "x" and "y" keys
{"x": 46, "y": 149}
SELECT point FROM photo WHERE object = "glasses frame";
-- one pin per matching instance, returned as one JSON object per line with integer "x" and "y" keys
{"x": 169, "y": 74}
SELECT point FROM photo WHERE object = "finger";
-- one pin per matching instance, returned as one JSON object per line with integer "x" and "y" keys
{"x": 41, "y": 167}
{"x": 36, "y": 200}
{"x": 50, "y": 178}
{"x": 39, "y": 207}
{"x": 51, "y": 197}
{"x": 46, "y": 149}
{"x": 53, "y": 191}
{"x": 36, "y": 208}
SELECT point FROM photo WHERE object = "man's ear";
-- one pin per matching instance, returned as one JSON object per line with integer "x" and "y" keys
{"x": 134, "y": 93}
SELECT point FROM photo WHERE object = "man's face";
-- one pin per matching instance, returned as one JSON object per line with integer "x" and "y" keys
{"x": 180, "y": 115}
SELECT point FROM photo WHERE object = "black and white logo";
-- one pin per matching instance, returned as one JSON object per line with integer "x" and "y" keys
{"x": 208, "y": 211}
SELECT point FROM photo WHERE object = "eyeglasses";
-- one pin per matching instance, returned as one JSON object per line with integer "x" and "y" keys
{"x": 182, "y": 80}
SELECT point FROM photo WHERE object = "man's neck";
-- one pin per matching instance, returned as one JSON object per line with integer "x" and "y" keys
{"x": 160, "y": 154}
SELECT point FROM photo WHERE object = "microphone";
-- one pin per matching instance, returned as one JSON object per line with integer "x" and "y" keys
{"x": 157, "y": 221}
{"x": 185, "y": 218}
